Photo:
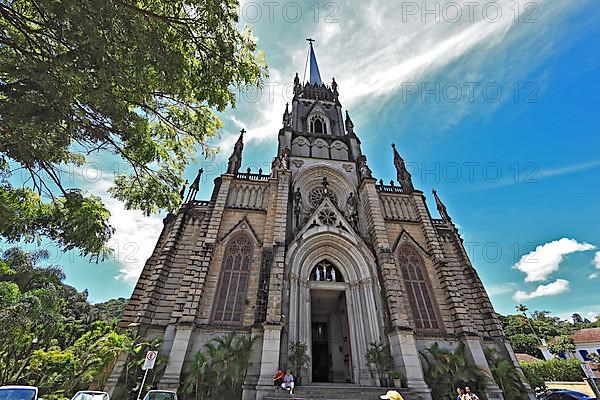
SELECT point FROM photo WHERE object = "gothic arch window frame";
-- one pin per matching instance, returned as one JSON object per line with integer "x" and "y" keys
{"x": 322, "y": 149}
{"x": 301, "y": 147}
{"x": 235, "y": 268}
{"x": 339, "y": 151}
{"x": 323, "y": 123}
{"x": 421, "y": 298}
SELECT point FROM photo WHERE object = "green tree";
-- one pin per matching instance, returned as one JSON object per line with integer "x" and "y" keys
{"x": 138, "y": 80}
{"x": 46, "y": 337}
{"x": 561, "y": 345}
{"x": 526, "y": 344}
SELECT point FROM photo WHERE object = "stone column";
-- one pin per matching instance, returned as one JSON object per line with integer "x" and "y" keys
{"x": 110, "y": 386}
{"x": 253, "y": 372}
{"x": 172, "y": 376}
{"x": 269, "y": 363}
{"x": 403, "y": 348}
{"x": 475, "y": 353}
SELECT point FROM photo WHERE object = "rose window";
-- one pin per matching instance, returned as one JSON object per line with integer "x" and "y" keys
{"x": 316, "y": 196}
{"x": 327, "y": 217}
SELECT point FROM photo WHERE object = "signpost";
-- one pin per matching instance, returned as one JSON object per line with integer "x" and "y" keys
{"x": 148, "y": 365}
{"x": 589, "y": 372}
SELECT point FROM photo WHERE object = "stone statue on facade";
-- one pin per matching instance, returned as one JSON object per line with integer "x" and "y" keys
{"x": 297, "y": 205}
{"x": 352, "y": 210}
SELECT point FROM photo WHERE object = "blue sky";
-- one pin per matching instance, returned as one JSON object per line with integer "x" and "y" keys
{"x": 500, "y": 116}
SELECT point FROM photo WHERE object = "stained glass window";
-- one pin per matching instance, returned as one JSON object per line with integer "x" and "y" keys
{"x": 231, "y": 295}
{"x": 413, "y": 270}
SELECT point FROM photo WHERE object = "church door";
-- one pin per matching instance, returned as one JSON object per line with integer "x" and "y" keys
{"x": 331, "y": 360}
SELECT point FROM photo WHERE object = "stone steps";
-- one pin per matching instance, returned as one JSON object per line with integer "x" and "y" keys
{"x": 338, "y": 392}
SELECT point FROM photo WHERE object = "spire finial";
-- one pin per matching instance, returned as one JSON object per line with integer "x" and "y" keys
{"x": 235, "y": 160}
{"x": 402, "y": 173}
{"x": 194, "y": 187}
{"x": 315, "y": 75}
{"x": 349, "y": 124}
{"x": 441, "y": 207}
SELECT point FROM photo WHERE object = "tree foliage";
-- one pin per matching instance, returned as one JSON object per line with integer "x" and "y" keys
{"x": 506, "y": 375}
{"x": 47, "y": 336}
{"x": 561, "y": 345}
{"x": 555, "y": 370}
{"x": 138, "y": 80}
{"x": 219, "y": 371}
{"x": 447, "y": 370}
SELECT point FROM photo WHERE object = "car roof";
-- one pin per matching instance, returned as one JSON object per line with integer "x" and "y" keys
{"x": 18, "y": 387}
{"x": 161, "y": 391}
{"x": 91, "y": 391}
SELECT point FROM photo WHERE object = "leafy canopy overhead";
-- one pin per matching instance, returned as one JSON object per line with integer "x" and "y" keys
{"x": 135, "y": 79}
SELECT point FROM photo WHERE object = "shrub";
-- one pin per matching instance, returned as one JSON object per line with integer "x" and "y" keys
{"x": 557, "y": 369}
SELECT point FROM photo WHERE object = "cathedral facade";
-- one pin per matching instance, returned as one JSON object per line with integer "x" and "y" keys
{"x": 318, "y": 251}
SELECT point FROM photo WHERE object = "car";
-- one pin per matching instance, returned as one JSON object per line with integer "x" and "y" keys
{"x": 566, "y": 395}
{"x": 19, "y": 393}
{"x": 90, "y": 395}
{"x": 160, "y": 395}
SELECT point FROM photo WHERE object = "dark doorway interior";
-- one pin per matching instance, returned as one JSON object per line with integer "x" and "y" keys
{"x": 320, "y": 359}
{"x": 330, "y": 341}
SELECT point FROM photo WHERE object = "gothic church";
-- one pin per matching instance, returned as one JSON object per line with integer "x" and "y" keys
{"x": 317, "y": 251}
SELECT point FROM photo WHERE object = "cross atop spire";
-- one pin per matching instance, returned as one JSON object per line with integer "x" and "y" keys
{"x": 315, "y": 75}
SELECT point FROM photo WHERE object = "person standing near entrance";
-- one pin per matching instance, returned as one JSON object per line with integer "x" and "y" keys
{"x": 288, "y": 382}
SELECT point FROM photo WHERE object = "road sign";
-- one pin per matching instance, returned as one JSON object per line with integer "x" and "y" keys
{"x": 150, "y": 360}
{"x": 589, "y": 372}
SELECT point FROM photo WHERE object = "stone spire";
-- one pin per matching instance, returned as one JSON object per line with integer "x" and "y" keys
{"x": 287, "y": 117}
{"x": 334, "y": 87}
{"x": 402, "y": 174}
{"x": 194, "y": 187}
{"x": 349, "y": 124}
{"x": 315, "y": 75}
{"x": 441, "y": 207}
{"x": 235, "y": 160}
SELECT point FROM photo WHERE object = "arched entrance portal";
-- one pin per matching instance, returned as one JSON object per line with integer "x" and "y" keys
{"x": 330, "y": 334}
{"x": 335, "y": 311}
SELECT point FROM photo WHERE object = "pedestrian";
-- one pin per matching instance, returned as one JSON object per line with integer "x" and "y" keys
{"x": 288, "y": 382}
{"x": 470, "y": 395}
{"x": 391, "y": 395}
{"x": 460, "y": 394}
{"x": 278, "y": 378}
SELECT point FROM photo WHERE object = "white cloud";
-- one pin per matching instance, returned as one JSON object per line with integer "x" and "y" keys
{"x": 597, "y": 259}
{"x": 502, "y": 288}
{"x": 545, "y": 260}
{"x": 593, "y": 275}
{"x": 373, "y": 52}
{"x": 135, "y": 234}
{"x": 551, "y": 289}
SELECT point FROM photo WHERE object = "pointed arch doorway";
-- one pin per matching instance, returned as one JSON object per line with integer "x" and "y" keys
{"x": 330, "y": 335}
{"x": 327, "y": 313}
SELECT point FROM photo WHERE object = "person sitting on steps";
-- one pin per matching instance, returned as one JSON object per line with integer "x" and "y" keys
{"x": 278, "y": 378}
{"x": 288, "y": 382}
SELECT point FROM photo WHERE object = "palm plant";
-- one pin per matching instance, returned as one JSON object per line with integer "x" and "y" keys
{"x": 506, "y": 375}
{"x": 377, "y": 356}
{"x": 221, "y": 369}
{"x": 448, "y": 370}
{"x": 299, "y": 359}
